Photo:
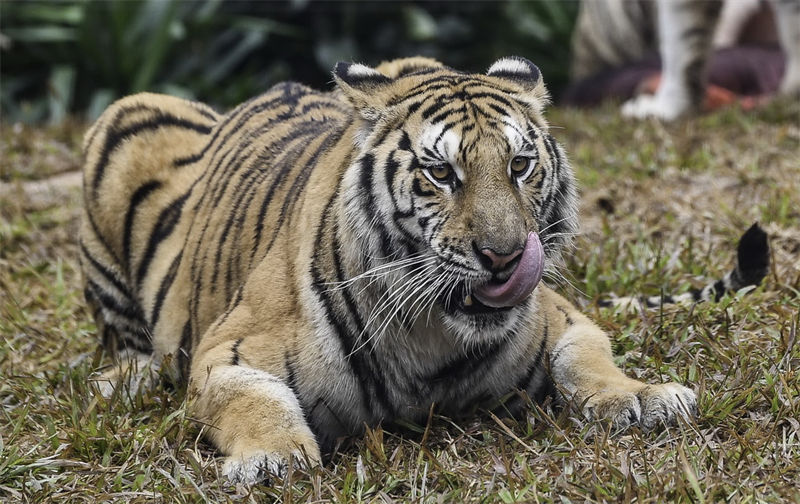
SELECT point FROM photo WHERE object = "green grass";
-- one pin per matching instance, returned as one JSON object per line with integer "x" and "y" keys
{"x": 663, "y": 206}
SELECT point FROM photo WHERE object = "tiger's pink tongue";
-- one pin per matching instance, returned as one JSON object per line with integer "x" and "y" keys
{"x": 522, "y": 281}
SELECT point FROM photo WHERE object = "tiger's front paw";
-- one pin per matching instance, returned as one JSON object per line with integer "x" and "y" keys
{"x": 649, "y": 406}
{"x": 658, "y": 106}
{"x": 260, "y": 466}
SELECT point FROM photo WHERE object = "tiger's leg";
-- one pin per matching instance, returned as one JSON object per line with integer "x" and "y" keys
{"x": 686, "y": 31}
{"x": 254, "y": 416}
{"x": 583, "y": 368}
{"x": 120, "y": 321}
{"x": 788, "y": 21}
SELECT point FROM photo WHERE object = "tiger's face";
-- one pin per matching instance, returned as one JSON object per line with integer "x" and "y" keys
{"x": 460, "y": 171}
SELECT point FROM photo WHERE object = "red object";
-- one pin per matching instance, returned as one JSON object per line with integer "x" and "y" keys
{"x": 716, "y": 96}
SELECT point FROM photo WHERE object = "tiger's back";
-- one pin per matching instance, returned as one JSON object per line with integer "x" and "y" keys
{"x": 175, "y": 192}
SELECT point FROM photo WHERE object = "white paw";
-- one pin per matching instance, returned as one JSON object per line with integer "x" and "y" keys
{"x": 260, "y": 467}
{"x": 658, "y": 106}
{"x": 103, "y": 386}
{"x": 663, "y": 404}
{"x": 130, "y": 377}
{"x": 650, "y": 407}
{"x": 790, "y": 85}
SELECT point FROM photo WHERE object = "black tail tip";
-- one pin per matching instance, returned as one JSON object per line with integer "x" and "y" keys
{"x": 753, "y": 255}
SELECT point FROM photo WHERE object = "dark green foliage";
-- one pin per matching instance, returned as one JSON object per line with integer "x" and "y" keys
{"x": 78, "y": 56}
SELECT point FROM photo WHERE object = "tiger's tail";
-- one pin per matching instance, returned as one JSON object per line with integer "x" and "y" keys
{"x": 752, "y": 265}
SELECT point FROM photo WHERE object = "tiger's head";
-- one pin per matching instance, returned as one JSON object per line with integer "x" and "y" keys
{"x": 456, "y": 191}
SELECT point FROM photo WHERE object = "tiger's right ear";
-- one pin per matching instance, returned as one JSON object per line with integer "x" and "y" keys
{"x": 524, "y": 74}
{"x": 367, "y": 89}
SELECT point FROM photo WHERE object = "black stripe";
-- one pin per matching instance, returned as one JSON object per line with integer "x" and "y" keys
{"x": 138, "y": 197}
{"x": 126, "y": 342}
{"x": 413, "y": 108}
{"x": 297, "y": 188}
{"x": 108, "y": 337}
{"x": 204, "y": 110}
{"x": 369, "y": 206}
{"x": 567, "y": 318}
{"x": 497, "y": 108}
{"x": 525, "y": 381}
{"x": 719, "y": 290}
{"x": 300, "y": 181}
{"x": 360, "y": 365}
{"x": 235, "y": 352}
{"x": 416, "y": 187}
{"x": 244, "y": 112}
{"x": 291, "y": 381}
{"x": 98, "y": 235}
{"x": 98, "y": 128}
{"x": 129, "y": 310}
{"x": 375, "y": 375}
{"x": 433, "y": 108}
{"x": 339, "y": 325}
{"x": 106, "y": 273}
{"x": 185, "y": 350}
{"x": 166, "y": 283}
{"x": 423, "y": 88}
{"x": 279, "y": 173}
{"x": 165, "y": 225}
{"x": 523, "y": 77}
{"x": 460, "y": 368}
{"x": 114, "y": 138}
{"x": 494, "y": 96}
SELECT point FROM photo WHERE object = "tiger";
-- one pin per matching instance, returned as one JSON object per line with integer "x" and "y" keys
{"x": 750, "y": 268}
{"x": 311, "y": 263}
{"x": 609, "y": 33}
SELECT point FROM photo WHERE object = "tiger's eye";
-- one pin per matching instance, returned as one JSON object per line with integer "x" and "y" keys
{"x": 519, "y": 164}
{"x": 441, "y": 172}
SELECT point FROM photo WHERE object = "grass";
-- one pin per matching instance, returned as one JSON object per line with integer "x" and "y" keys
{"x": 663, "y": 206}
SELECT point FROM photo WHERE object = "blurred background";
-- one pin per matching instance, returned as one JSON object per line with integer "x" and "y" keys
{"x": 73, "y": 58}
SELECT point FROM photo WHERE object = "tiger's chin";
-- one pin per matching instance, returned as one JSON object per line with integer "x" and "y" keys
{"x": 474, "y": 322}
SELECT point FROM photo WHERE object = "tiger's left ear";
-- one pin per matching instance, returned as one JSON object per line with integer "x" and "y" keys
{"x": 367, "y": 89}
{"x": 526, "y": 75}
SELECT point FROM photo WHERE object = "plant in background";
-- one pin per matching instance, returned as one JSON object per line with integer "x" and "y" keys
{"x": 76, "y": 57}
{"x": 64, "y": 57}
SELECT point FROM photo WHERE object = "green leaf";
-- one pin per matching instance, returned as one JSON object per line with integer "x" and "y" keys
{"x": 48, "y": 34}
{"x": 158, "y": 14}
{"x": 100, "y": 100}
{"x": 62, "y": 82}
{"x": 35, "y": 12}
{"x": 244, "y": 47}
{"x": 420, "y": 25}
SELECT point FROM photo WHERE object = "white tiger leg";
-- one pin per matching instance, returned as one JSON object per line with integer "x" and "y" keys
{"x": 787, "y": 16}
{"x": 255, "y": 418}
{"x": 686, "y": 29}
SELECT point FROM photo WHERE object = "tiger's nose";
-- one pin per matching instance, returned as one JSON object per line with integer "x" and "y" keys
{"x": 496, "y": 262}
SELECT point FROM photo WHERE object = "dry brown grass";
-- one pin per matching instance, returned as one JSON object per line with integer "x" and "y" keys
{"x": 663, "y": 208}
